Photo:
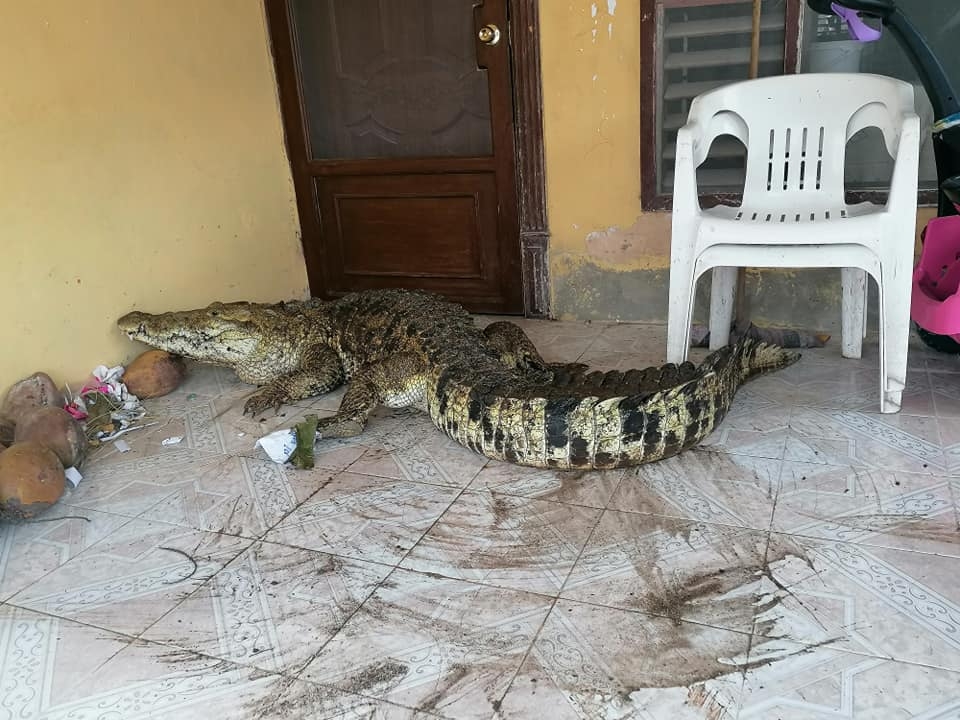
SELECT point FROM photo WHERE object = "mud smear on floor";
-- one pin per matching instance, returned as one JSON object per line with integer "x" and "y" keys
{"x": 476, "y": 659}
{"x": 305, "y": 563}
{"x": 376, "y": 677}
{"x": 459, "y": 635}
{"x": 570, "y": 482}
{"x": 638, "y": 495}
{"x": 733, "y": 595}
{"x": 290, "y": 699}
{"x": 713, "y": 706}
{"x": 531, "y": 546}
{"x": 945, "y": 531}
{"x": 455, "y": 673}
{"x": 227, "y": 527}
{"x": 677, "y": 599}
{"x": 941, "y": 530}
{"x": 511, "y": 533}
{"x": 282, "y": 573}
{"x": 176, "y": 656}
{"x": 501, "y": 511}
{"x": 704, "y": 619}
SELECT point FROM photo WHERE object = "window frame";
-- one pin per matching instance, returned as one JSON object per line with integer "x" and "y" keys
{"x": 651, "y": 59}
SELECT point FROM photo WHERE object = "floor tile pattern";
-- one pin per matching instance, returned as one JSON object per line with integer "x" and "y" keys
{"x": 802, "y": 563}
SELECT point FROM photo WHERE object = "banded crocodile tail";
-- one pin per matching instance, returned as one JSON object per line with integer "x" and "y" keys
{"x": 755, "y": 357}
{"x": 607, "y": 420}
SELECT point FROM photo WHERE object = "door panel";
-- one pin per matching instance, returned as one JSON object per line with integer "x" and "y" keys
{"x": 449, "y": 214}
{"x": 400, "y": 127}
{"x": 412, "y": 88}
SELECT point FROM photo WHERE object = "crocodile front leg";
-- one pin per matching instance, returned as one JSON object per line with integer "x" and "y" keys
{"x": 518, "y": 352}
{"x": 398, "y": 381}
{"x": 320, "y": 372}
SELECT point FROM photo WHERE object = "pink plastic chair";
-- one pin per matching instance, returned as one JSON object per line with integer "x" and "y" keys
{"x": 935, "y": 305}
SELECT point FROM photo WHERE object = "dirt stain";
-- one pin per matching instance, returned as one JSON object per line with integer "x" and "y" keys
{"x": 379, "y": 674}
{"x": 720, "y": 596}
{"x": 501, "y": 511}
{"x": 713, "y": 707}
{"x": 454, "y": 674}
{"x": 674, "y": 600}
{"x": 569, "y": 483}
{"x": 291, "y": 699}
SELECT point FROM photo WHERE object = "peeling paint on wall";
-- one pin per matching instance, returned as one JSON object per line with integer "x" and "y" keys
{"x": 644, "y": 244}
{"x": 595, "y": 15}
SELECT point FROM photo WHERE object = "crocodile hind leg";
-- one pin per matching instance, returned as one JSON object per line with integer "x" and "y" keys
{"x": 399, "y": 381}
{"x": 320, "y": 372}
{"x": 517, "y": 351}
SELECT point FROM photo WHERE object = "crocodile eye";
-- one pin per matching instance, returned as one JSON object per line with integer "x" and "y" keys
{"x": 214, "y": 313}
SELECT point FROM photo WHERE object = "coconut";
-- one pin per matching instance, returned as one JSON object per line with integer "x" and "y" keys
{"x": 31, "y": 480}
{"x": 154, "y": 373}
{"x": 38, "y": 390}
{"x": 55, "y": 429}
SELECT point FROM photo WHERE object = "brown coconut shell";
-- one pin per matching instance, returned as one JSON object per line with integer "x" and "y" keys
{"x": 154, "y": 373}
{"x": 55, "y": 429}
{"x": 38, "y": 390}
{"x": 31, "y": 480}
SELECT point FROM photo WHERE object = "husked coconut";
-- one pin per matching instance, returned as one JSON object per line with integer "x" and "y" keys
{"x": 55, "y": 429}
{"x": 31, "y": 480}
{"x": 38, "y": 390}
{"x": 154, "y": 373}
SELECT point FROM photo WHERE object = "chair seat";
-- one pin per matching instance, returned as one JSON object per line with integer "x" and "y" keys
{"x": 766, "y": 225}
{"x": 772, "y": 214}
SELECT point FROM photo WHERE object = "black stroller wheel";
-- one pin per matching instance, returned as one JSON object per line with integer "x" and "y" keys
{"x": 940, "y": 343}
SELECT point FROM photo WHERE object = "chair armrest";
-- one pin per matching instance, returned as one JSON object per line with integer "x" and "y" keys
{"x": 685, "y": 198}
{"x": 906, "y": 164}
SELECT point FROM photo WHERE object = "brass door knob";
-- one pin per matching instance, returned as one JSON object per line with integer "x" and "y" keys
{"x": 489, "y": 34}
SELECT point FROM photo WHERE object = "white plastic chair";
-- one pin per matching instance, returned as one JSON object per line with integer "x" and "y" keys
{"x": 795, "y": 129}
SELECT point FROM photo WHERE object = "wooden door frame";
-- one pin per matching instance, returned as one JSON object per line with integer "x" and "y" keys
{"x": 526, "y": 81}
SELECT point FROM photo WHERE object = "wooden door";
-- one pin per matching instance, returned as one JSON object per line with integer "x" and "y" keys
{"x": 399, "y": 122}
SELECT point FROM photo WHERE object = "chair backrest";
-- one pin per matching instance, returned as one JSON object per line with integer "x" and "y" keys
{"x": 796, "y": 127}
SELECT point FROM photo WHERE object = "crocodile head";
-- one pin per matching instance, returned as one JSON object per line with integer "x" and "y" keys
{"x": 222, "y": 333}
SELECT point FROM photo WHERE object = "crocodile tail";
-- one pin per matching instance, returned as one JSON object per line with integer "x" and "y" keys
{"x": 756, "y": 357}
{"x": 605, "y": 420}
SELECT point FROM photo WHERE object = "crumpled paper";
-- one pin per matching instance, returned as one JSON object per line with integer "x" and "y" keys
{"x": 279, "y": 445}
{"x": 108, "y": 408}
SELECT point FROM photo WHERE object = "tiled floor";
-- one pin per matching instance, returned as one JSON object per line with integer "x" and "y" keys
{"x": 803, "y": 563}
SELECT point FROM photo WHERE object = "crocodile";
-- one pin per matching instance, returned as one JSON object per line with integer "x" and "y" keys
{"x": 487, "y": 388}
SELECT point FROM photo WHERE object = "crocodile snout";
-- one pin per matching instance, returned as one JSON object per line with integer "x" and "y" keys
{"x": 133, "y": 324}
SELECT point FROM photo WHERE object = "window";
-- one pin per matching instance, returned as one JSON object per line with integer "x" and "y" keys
{"x": 691, "y": 46}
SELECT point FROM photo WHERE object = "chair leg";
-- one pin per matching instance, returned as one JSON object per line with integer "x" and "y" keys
{"x": 894, "y": 340}
{"x": 680, "y": 312}
{"x": 723, "y": 295}
{"x": 866, "y": 297}
{"x": 853, "y": 283}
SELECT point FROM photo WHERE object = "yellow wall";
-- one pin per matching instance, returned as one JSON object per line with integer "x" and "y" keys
{"x": 143, "y": 166}
{"x": 590, "y": 52}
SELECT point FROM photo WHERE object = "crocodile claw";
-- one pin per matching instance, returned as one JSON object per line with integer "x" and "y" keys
{"x": 261, "y": 402}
